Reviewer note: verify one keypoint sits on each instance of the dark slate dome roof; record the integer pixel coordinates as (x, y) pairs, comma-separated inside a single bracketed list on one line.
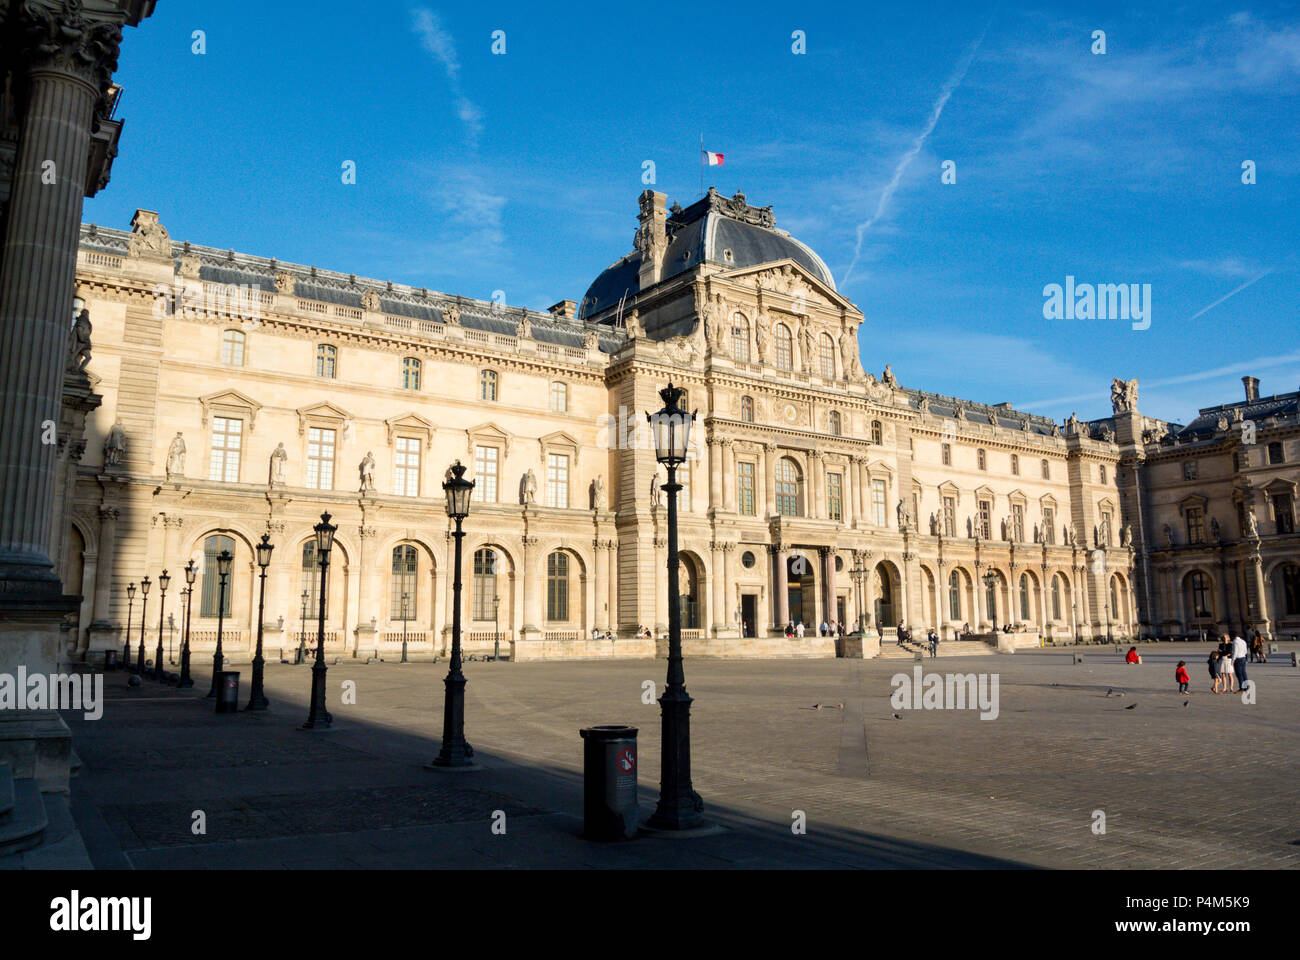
[(725, 231)]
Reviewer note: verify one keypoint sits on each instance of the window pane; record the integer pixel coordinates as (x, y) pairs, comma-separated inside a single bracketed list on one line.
[(486, 460), (406, 467), (320, 459), (402, 593), (557, 480), (211, 591), (745, 491)]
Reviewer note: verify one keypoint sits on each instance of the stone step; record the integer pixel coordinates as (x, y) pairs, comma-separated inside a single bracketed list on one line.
[(949, 648), (25, 824)]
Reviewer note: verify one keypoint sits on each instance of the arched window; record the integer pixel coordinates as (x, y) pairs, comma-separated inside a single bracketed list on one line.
[(980, 459), (402, 592), (310, 578), (835, 426), (557, 587), (1199, 588), (1056, 597), (212, 548), (559, 397), (954, 596), (740, 338), (877, 432), (410, 373), (485, 583), (1291, 589), (827, 356), (1024, 596), (787, 488), (327, 356), (487, 385), (747, 409), (232, 348), (784, 347)]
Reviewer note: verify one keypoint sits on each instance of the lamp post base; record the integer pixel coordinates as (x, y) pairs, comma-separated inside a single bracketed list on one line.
[(256, 698), (318, 718), (679, 806)]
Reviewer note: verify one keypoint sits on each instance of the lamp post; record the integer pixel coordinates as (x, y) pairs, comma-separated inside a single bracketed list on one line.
[(679, 806), (405, 597), (858, 574), (126, 644), (224, 561), (455, 752), (256, 697), (144, 602), (990, 586), (302, 630), (163, 581), (171, 635), (185, 679), (496, 628), (318, 718)]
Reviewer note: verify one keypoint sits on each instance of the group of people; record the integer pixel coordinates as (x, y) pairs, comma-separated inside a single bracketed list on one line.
[(1226, 663)]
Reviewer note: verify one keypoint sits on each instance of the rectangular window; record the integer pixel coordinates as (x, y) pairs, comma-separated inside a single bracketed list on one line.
[(1047, 471), (745, 488), (406, 467), (684, 478), (559, 397), (986, 519), (946, 450), (878, 513), (1015, 465), (1017, 523), (486, 460), (1189, 469), (1275, 452), (1101, 472), (1049, 525), (950, 517), (557, 480), (227, 438), (834, 497), (1106, 526), (1283, 513), (320, 459), (1195, 525)]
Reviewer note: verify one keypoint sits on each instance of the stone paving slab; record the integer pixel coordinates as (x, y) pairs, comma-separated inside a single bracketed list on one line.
[(1212, 783)]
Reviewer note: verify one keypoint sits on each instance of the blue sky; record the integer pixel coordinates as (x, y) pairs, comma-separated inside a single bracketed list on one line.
[(519, 172)]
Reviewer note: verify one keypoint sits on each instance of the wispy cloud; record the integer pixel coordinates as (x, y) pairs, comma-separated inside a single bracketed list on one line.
[(438, 43), (905, 161), (1233, 267)]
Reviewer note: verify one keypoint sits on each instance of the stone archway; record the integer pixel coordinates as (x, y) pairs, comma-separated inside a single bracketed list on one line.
[(801, 581)]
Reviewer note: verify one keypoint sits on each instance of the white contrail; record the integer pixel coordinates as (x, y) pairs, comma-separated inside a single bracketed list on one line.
[(1232, 294), (905, 161)]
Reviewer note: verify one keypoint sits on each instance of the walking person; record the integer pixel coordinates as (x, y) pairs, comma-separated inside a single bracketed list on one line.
[(1239, 655), (1215, 662), (799, 630), (1180, 674)]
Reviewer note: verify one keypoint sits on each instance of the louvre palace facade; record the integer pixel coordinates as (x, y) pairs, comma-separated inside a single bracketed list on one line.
[(241, 396)]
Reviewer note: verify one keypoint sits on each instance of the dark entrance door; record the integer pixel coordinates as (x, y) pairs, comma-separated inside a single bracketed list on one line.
[(749, 614)]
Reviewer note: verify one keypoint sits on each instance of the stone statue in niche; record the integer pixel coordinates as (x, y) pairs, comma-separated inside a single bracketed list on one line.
[(115, 446), (451, 314), (279, 459), (176, 457), (598, 493), (367, 471), (79, 342), (528, 487)]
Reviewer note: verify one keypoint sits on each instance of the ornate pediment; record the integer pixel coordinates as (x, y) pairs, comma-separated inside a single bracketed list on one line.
[(230, 400), (322, 411), (787, 285), (410, 423), (559, 439), (490, 433)]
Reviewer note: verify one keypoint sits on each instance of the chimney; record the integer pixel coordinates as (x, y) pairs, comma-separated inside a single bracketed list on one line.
[(1252, 388), (564, 310), (651, 237)]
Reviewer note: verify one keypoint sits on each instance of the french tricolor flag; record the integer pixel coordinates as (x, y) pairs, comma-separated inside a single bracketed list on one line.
[(713, 159)]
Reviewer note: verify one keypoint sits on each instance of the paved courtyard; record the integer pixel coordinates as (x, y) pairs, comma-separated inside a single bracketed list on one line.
[(1208, 784)]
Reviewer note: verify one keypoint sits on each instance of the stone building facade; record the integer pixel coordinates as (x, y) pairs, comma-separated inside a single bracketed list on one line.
[(243, 396), (1214, 509)]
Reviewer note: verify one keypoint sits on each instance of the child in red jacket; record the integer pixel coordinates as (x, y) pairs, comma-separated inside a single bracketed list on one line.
[(1180, 674)]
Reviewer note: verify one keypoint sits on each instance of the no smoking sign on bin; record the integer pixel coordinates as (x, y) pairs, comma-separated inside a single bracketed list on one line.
[(626, 762), (609, 789)]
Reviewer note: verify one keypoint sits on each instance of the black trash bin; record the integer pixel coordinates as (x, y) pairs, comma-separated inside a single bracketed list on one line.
[(110, 659), (609, 782), (227, 691)]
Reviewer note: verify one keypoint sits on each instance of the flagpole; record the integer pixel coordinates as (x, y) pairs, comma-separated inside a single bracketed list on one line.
[(701, 164)]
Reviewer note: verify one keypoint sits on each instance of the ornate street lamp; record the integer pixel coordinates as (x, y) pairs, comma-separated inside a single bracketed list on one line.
[(455, 752), (126, 645), (990, 587), (859, 575), (679, 807), (164, 580), (405, 597), (144, 602), (185, 679), (224, 561), (256, 698), (318, 718), (496, 628), (302, 631)]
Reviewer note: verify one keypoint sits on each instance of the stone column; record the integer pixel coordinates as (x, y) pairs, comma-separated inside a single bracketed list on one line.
[(104, 633), (601, 619), (769, 481), (532, 590), (72, 59), (715, 473), (1261, 595), (611, 584), (831, 588), (718, 587), (780, 589), (661, 585)]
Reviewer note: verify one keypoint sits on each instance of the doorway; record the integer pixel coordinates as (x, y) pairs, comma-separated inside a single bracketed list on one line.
[(749, 614)]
